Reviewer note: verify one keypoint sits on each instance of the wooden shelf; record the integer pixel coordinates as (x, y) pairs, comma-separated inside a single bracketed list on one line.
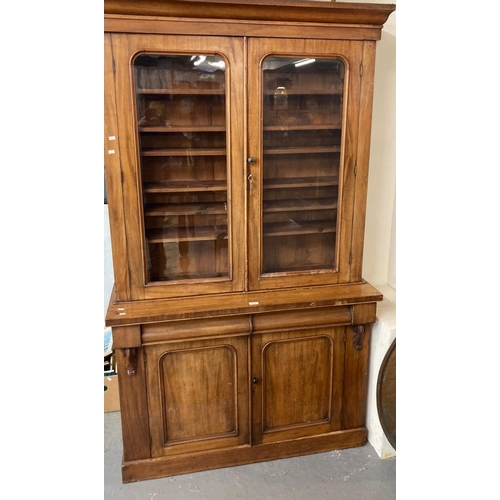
[(308, 91), (312, 149), (184, 186), (181, 91), (299, 205), (186, 209), (191, 276), (183, 128), (299, 267), (185, 152), (279, 128), (302, 227), (174, 235), (300, 182)]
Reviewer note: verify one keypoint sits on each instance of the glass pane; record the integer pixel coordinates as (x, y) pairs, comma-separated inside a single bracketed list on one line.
[(302, 106), (181, 116)]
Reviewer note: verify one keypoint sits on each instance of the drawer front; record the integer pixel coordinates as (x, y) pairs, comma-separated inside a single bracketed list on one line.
[(301, 318)]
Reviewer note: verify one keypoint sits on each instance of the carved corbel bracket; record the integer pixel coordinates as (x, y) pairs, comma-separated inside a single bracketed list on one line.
[(358, 337), (130, 357)]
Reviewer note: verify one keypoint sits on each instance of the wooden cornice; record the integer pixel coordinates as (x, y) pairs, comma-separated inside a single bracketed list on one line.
[(256, 10)]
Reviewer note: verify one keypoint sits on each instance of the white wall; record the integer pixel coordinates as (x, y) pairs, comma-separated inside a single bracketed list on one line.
[(391, 275), (379, 261), (108, 261)]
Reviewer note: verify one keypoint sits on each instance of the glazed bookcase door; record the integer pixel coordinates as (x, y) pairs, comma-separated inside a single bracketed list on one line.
[(301, 198), (181, 163)]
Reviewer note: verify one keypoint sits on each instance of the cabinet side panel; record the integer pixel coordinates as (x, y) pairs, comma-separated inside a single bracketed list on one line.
[(134, 409), (112, 168), (355, 379), (128, 152)]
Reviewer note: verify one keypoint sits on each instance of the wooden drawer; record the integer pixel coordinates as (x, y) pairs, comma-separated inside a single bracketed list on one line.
[(197, 328), (268, 322)]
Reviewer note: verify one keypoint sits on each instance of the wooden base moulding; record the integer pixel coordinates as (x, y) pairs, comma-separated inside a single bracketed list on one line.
[(216, 459)]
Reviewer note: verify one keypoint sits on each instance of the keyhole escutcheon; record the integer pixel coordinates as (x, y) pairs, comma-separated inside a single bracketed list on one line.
[(250, 182)]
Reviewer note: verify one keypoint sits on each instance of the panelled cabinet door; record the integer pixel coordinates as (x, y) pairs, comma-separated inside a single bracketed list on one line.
[(297, 383), (182, 165), (198, 397), (305, 93)]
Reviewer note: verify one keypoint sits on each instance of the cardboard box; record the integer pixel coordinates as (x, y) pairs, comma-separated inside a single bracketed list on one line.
[(111, 395)]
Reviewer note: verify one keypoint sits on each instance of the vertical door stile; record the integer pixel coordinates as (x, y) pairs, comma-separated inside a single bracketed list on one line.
[(246, 154), (253, 151), (366, 78), (236, 146), (350, 158)]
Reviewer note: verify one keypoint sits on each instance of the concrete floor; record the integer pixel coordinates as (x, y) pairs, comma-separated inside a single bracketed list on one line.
[(357, 474)]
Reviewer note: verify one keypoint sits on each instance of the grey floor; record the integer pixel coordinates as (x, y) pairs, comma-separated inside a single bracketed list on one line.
[(357, 474)]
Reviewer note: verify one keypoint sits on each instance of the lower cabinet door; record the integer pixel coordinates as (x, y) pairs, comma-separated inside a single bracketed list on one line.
[(197, 395), (297, 383)]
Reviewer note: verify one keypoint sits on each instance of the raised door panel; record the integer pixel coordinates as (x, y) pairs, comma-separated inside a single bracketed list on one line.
[(301, 174), (297, 383), (198, 395), (181, 133)]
